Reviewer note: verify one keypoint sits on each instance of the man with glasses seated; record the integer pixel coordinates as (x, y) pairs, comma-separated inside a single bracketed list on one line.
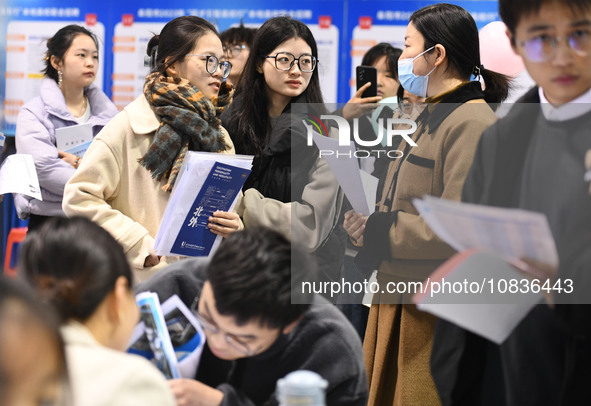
[(237, 42), (255, 335)]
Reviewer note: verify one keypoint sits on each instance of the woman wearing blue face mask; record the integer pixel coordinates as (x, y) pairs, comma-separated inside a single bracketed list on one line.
[(441, 54)]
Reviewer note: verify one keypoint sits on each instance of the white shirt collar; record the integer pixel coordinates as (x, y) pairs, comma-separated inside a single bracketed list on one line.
[(573, 109)]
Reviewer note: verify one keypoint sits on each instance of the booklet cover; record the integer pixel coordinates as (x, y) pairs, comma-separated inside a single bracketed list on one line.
[(185, 336), (74, 139), (217, 193), (207, 182), (156, 332)]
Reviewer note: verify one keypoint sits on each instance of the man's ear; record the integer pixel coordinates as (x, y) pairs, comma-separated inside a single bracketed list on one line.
[(55, 62), (287, 329), (511, 40)]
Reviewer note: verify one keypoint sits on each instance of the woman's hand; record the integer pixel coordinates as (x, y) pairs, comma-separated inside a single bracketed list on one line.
[(543, 272), (151, 260), (355, 226), (358, 106), (69, 158), (188, 392), (224, 223)]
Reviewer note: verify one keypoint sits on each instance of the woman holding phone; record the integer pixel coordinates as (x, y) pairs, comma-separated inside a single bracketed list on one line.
[(441, 53)]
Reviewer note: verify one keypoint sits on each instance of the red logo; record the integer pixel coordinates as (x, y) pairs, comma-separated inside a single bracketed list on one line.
[(90, 19), (365, 23), (324, 21), (127, 19)]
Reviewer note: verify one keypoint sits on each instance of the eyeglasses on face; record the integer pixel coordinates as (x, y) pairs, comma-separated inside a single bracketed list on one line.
[(543, 47), (232, 51), (285, 61), (233, 341), (212, 63)]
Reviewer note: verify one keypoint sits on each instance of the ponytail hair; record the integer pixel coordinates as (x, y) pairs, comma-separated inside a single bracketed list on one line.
[(455, 29), (496, 85)]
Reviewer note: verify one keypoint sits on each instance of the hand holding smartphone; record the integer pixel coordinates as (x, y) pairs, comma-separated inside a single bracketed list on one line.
[(365, 74)]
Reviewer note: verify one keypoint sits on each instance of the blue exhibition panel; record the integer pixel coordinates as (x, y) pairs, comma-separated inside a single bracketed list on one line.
[(344, 30)]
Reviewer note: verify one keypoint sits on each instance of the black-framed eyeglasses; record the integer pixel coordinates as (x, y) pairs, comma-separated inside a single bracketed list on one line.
[(234, 51), (233, 341), (285, 60), (212, 63), (543, 47)]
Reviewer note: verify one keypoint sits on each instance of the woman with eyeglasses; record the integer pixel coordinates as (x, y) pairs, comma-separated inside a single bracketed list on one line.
[(129, 171), (290, 189)]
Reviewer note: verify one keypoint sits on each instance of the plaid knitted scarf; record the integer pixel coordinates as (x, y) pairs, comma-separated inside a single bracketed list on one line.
[(188, 121)]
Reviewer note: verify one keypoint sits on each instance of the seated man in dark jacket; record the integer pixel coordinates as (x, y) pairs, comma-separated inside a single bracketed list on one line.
[(255, 334)]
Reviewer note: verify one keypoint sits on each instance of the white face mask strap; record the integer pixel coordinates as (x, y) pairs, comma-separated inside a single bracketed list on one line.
[(424, 52)]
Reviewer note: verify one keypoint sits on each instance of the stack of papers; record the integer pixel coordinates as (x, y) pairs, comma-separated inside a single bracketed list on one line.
[(478, 289)]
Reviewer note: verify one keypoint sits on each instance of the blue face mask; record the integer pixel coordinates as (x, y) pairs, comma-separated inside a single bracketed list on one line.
[(414, 84)]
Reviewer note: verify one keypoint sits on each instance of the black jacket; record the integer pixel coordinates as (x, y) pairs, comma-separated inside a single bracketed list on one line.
[(323, 341), (469, 370)]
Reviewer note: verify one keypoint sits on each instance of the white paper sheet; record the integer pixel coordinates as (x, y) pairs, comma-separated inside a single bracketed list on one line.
[(359, 187), (489, 307), (510, 233), (18, 175), (74, 139)]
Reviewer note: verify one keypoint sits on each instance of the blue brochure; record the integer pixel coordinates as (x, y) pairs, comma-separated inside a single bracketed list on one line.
[(218, 192)]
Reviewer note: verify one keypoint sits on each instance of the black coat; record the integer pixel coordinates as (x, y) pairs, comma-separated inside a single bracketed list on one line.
[(323, 341), (467, 369)]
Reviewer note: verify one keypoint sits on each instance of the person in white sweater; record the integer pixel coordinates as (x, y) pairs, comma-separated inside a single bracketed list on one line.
[(77, 267), (125, 180)]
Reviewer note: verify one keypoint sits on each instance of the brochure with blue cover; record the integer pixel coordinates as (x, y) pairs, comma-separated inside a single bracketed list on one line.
[(207, 182), (156, 332), (217, 193), (186, 336)]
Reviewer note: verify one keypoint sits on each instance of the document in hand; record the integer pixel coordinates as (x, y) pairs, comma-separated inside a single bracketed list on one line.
[(207, 182), (176, 349), (359, 186), (478, 288), (74, 139), (18, 175), (510, 233), (474, 290)]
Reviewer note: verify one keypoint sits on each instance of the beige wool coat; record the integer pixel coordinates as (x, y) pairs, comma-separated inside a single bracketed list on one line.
[(399, 337), (112, 189)]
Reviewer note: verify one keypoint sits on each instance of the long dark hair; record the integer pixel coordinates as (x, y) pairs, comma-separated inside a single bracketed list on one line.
[(176, 40), (59, 44), (250, 125), (455, 29), (74, 264), (391, 53)]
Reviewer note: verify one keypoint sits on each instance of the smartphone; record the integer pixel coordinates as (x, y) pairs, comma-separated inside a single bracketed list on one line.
[(367, 74)]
